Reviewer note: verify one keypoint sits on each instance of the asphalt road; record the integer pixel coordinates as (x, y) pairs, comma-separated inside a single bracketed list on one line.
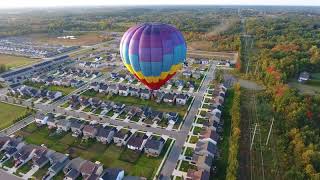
[(6, 176), (173, 157), (17, 126)]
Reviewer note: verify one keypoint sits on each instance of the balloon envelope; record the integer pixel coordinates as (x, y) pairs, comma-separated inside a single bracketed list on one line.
[(153, 52)]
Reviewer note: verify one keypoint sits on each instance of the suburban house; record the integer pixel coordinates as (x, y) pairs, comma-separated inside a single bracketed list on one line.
[(145, 94), (181, 99), (135, 92), (197, 175), (136, 142), (94, 85), (121, 137), (132, 111), (159, 96), (4, 140), (112, 174), (209, 135), (42, 119), (169, 98), (52, 123), (156, 115), (172, 117), (90, 170), (113, 89), (202, 162), (76, 127), (63, 125), (206, 148), (103, 88), (89, 131), (12, 147), (41, 157), (196, 75), (95, 102), (123, 90), (72, 169), (105, 135), (58, 162), (84, 101), (24, 155), (187, 73), (154, 146), (304, 76)]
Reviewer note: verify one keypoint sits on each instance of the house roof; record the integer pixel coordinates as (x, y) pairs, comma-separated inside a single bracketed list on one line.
[(209, 133), (89, 129), (135, 141), (169, 96), (73, 173), (41, 160), (103, 132), (88, 167), (182, 96), (111, 173), (76, 123), (206, 146), (198, 175), (154, 144)]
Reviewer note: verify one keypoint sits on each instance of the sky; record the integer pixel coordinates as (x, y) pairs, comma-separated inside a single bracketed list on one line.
[(5, 4)]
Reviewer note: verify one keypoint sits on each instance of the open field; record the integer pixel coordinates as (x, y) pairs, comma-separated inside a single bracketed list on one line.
[(64, 89), (83, 39), (9, 113), (164, 107), (262, 161), (109, 155), (16, 61)]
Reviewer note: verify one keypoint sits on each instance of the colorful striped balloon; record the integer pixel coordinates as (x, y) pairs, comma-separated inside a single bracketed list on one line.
[(153, 52)]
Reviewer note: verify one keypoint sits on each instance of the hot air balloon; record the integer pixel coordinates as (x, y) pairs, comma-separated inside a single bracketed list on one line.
[(153, 53)]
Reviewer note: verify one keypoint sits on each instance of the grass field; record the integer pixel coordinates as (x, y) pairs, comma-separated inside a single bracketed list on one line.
[(262, 161), (89, 38), (64, 89), (109, 155), (9, 113), (164, 107), (16, 61)]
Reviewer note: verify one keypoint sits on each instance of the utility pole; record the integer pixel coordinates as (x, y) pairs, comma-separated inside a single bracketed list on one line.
[(254, 133), (269, 131)]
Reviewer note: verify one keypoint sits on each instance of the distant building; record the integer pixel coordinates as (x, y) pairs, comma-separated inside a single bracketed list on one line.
[(304, 76)]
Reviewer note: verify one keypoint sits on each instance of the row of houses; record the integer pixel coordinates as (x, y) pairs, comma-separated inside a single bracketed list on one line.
[(131, 111), (103, 134), (20, 74), (191, 74), (18, 46), (29, 92), (124, 90), (76, 72), (206, 150), (20, 153), (50, 80)]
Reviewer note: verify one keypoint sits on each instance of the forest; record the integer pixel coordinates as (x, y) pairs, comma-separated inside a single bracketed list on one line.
[(284, 47)]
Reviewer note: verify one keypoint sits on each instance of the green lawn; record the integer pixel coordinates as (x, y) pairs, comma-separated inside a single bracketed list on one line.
[(9, 163), (189, 152), (193, 139), (42, 171), (64, 89), (164, 107), (9, 113), (25, 168), (185, 166), (16, 61), (196, 130), (109, 155)]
